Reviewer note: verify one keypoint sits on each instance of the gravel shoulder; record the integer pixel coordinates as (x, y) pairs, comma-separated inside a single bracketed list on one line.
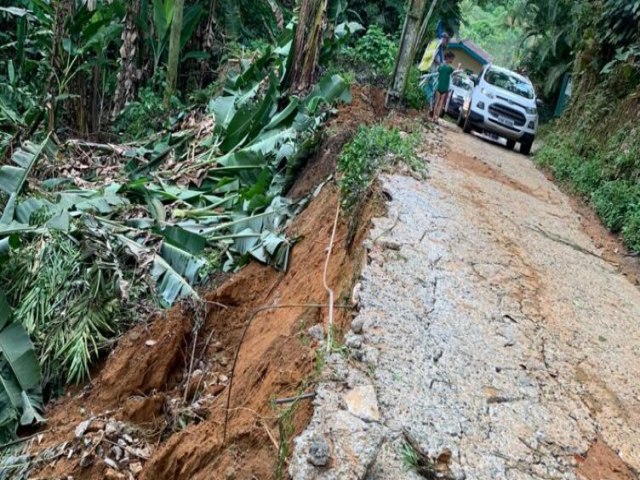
[(491, 332)]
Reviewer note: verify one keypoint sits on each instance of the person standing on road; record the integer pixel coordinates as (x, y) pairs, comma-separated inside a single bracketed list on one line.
[(444, 84), (433, 56)]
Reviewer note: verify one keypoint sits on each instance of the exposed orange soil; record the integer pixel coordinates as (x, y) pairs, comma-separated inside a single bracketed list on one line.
[(602, 463), (143, 380)]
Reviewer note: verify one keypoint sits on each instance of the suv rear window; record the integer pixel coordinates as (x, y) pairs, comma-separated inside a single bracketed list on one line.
[(509, 82)]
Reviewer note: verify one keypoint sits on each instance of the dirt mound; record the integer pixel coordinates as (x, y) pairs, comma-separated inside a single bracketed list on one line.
[(171, 385)]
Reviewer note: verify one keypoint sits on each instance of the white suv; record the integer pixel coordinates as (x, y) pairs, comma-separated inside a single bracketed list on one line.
[(503, 103)]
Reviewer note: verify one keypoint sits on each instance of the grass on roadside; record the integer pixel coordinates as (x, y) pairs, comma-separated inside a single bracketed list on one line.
[(409, 457), (374, 149), (606, 175)]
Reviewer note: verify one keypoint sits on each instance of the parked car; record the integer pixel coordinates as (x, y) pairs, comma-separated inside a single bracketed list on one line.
[(461, 87), (502, 103)]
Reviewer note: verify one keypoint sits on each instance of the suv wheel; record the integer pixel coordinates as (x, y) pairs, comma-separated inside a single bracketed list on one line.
[(467, 123), (525, 147), (460, 119), (511, 144)]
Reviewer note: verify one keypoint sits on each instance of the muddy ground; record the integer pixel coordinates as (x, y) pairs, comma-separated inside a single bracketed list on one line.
[(497, 336)]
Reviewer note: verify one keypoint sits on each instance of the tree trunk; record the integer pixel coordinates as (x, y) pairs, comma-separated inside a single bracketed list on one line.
[(61, 9), (407, 51), (307, 44), (128, 74), (174, 51), (425, 25)]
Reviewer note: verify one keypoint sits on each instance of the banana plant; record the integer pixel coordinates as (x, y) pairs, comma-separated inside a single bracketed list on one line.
[(180, 200)]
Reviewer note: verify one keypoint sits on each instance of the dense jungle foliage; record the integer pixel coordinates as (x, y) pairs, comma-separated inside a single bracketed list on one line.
[(144, 146), (595, 147)]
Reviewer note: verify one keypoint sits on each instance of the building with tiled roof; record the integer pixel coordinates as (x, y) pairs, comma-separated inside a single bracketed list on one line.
[(469, 55)]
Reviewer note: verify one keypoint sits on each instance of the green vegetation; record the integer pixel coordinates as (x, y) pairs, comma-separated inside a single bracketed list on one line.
[(595, 148), (371, 150), (606, 175), (368, 58), (495, 27), (66, 288), (285, 431), (409, 457), (71, 265), (20, 388)]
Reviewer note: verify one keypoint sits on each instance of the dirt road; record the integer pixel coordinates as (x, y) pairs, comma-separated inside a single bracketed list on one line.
[(491, 333)]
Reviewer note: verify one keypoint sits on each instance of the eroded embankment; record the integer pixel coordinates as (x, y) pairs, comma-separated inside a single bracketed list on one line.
[(157, 405)]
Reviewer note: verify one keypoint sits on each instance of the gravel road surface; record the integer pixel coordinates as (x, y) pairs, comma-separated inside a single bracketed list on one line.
[(491, 334)]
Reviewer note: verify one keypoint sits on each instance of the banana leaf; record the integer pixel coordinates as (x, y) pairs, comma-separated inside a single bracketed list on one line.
[(223, 109), (174, 270), (20, 391), (328, 90), (185, 240), (12, 178)]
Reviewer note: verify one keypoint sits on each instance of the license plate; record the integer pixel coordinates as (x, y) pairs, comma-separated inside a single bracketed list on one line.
[(506, 121)]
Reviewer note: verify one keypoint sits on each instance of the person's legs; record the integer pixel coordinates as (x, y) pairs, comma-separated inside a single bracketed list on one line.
[(442, 98), (436, 107), (446, 99)]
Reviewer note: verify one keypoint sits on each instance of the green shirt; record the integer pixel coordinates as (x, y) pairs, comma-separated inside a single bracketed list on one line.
[(444, 77)]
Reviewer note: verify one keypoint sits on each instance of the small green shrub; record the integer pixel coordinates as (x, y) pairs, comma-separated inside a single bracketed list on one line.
[(409, 457), (631, 229), (587, 176), (414, 96), (613, 202), (376, 50), (146, 115), (371, 150), (368, 60), (562, 160)]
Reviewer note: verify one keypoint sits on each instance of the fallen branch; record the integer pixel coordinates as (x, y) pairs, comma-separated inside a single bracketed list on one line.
[(270, 435), (106, 147), (325, 282), (23, 439)]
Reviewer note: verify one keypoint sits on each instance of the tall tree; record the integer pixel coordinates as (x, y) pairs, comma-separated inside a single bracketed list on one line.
[(174, 51)]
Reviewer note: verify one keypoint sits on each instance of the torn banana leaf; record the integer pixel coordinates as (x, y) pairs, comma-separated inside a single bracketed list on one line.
[(174, 270), (13, 177)]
